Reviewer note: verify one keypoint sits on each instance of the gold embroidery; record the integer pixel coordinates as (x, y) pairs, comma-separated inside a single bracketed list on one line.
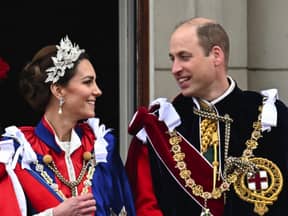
[(261, 197)]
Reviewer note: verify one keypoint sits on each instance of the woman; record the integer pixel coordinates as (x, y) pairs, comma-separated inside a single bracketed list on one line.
[(68, 164)]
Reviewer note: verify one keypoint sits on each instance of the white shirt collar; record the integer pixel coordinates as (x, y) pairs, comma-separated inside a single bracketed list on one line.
[(221, 97), (69, 146)]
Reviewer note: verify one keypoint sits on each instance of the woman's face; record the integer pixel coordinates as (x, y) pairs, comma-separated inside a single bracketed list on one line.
[(81, 92)]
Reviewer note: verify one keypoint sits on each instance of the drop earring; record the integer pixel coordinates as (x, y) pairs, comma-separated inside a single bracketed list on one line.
[(61, 102)]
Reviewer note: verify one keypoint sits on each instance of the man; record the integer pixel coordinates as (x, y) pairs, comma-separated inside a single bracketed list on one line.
[(216, 150)]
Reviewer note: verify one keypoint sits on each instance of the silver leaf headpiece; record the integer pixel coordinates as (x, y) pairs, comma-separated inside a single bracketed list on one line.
[(67, 54)]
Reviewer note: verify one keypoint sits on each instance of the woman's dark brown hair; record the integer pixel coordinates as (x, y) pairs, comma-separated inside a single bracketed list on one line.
[(32, 78)]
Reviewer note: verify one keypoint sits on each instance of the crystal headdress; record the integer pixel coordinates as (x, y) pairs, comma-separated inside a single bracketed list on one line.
[(67, 54)]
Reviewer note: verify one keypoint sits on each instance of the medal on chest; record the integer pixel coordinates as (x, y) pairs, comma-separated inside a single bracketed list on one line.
[(263, 181), (261, 187), (256, 180)]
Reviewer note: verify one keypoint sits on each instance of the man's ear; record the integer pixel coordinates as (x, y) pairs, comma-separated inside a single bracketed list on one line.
[(218, 55), (56, 90)]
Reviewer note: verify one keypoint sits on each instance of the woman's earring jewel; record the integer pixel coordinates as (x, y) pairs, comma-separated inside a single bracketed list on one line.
[(61, 102)]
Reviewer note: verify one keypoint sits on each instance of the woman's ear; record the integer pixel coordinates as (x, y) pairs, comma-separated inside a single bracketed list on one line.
[(56, 90)]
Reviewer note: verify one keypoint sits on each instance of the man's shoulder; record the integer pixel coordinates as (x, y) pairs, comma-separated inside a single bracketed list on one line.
[(180, 100), (249, 94)]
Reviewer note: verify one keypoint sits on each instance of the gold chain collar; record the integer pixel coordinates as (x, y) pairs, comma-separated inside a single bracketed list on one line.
[(229, 178), (235, 168), (90, 166)]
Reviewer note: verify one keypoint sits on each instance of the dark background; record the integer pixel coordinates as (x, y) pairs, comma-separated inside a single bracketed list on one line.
[(25, 30)]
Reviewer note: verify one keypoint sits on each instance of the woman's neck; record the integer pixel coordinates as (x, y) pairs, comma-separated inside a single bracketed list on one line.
[(61, 126)]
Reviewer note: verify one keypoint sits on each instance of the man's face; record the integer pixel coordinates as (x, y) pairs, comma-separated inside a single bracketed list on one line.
[(193, 70)]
